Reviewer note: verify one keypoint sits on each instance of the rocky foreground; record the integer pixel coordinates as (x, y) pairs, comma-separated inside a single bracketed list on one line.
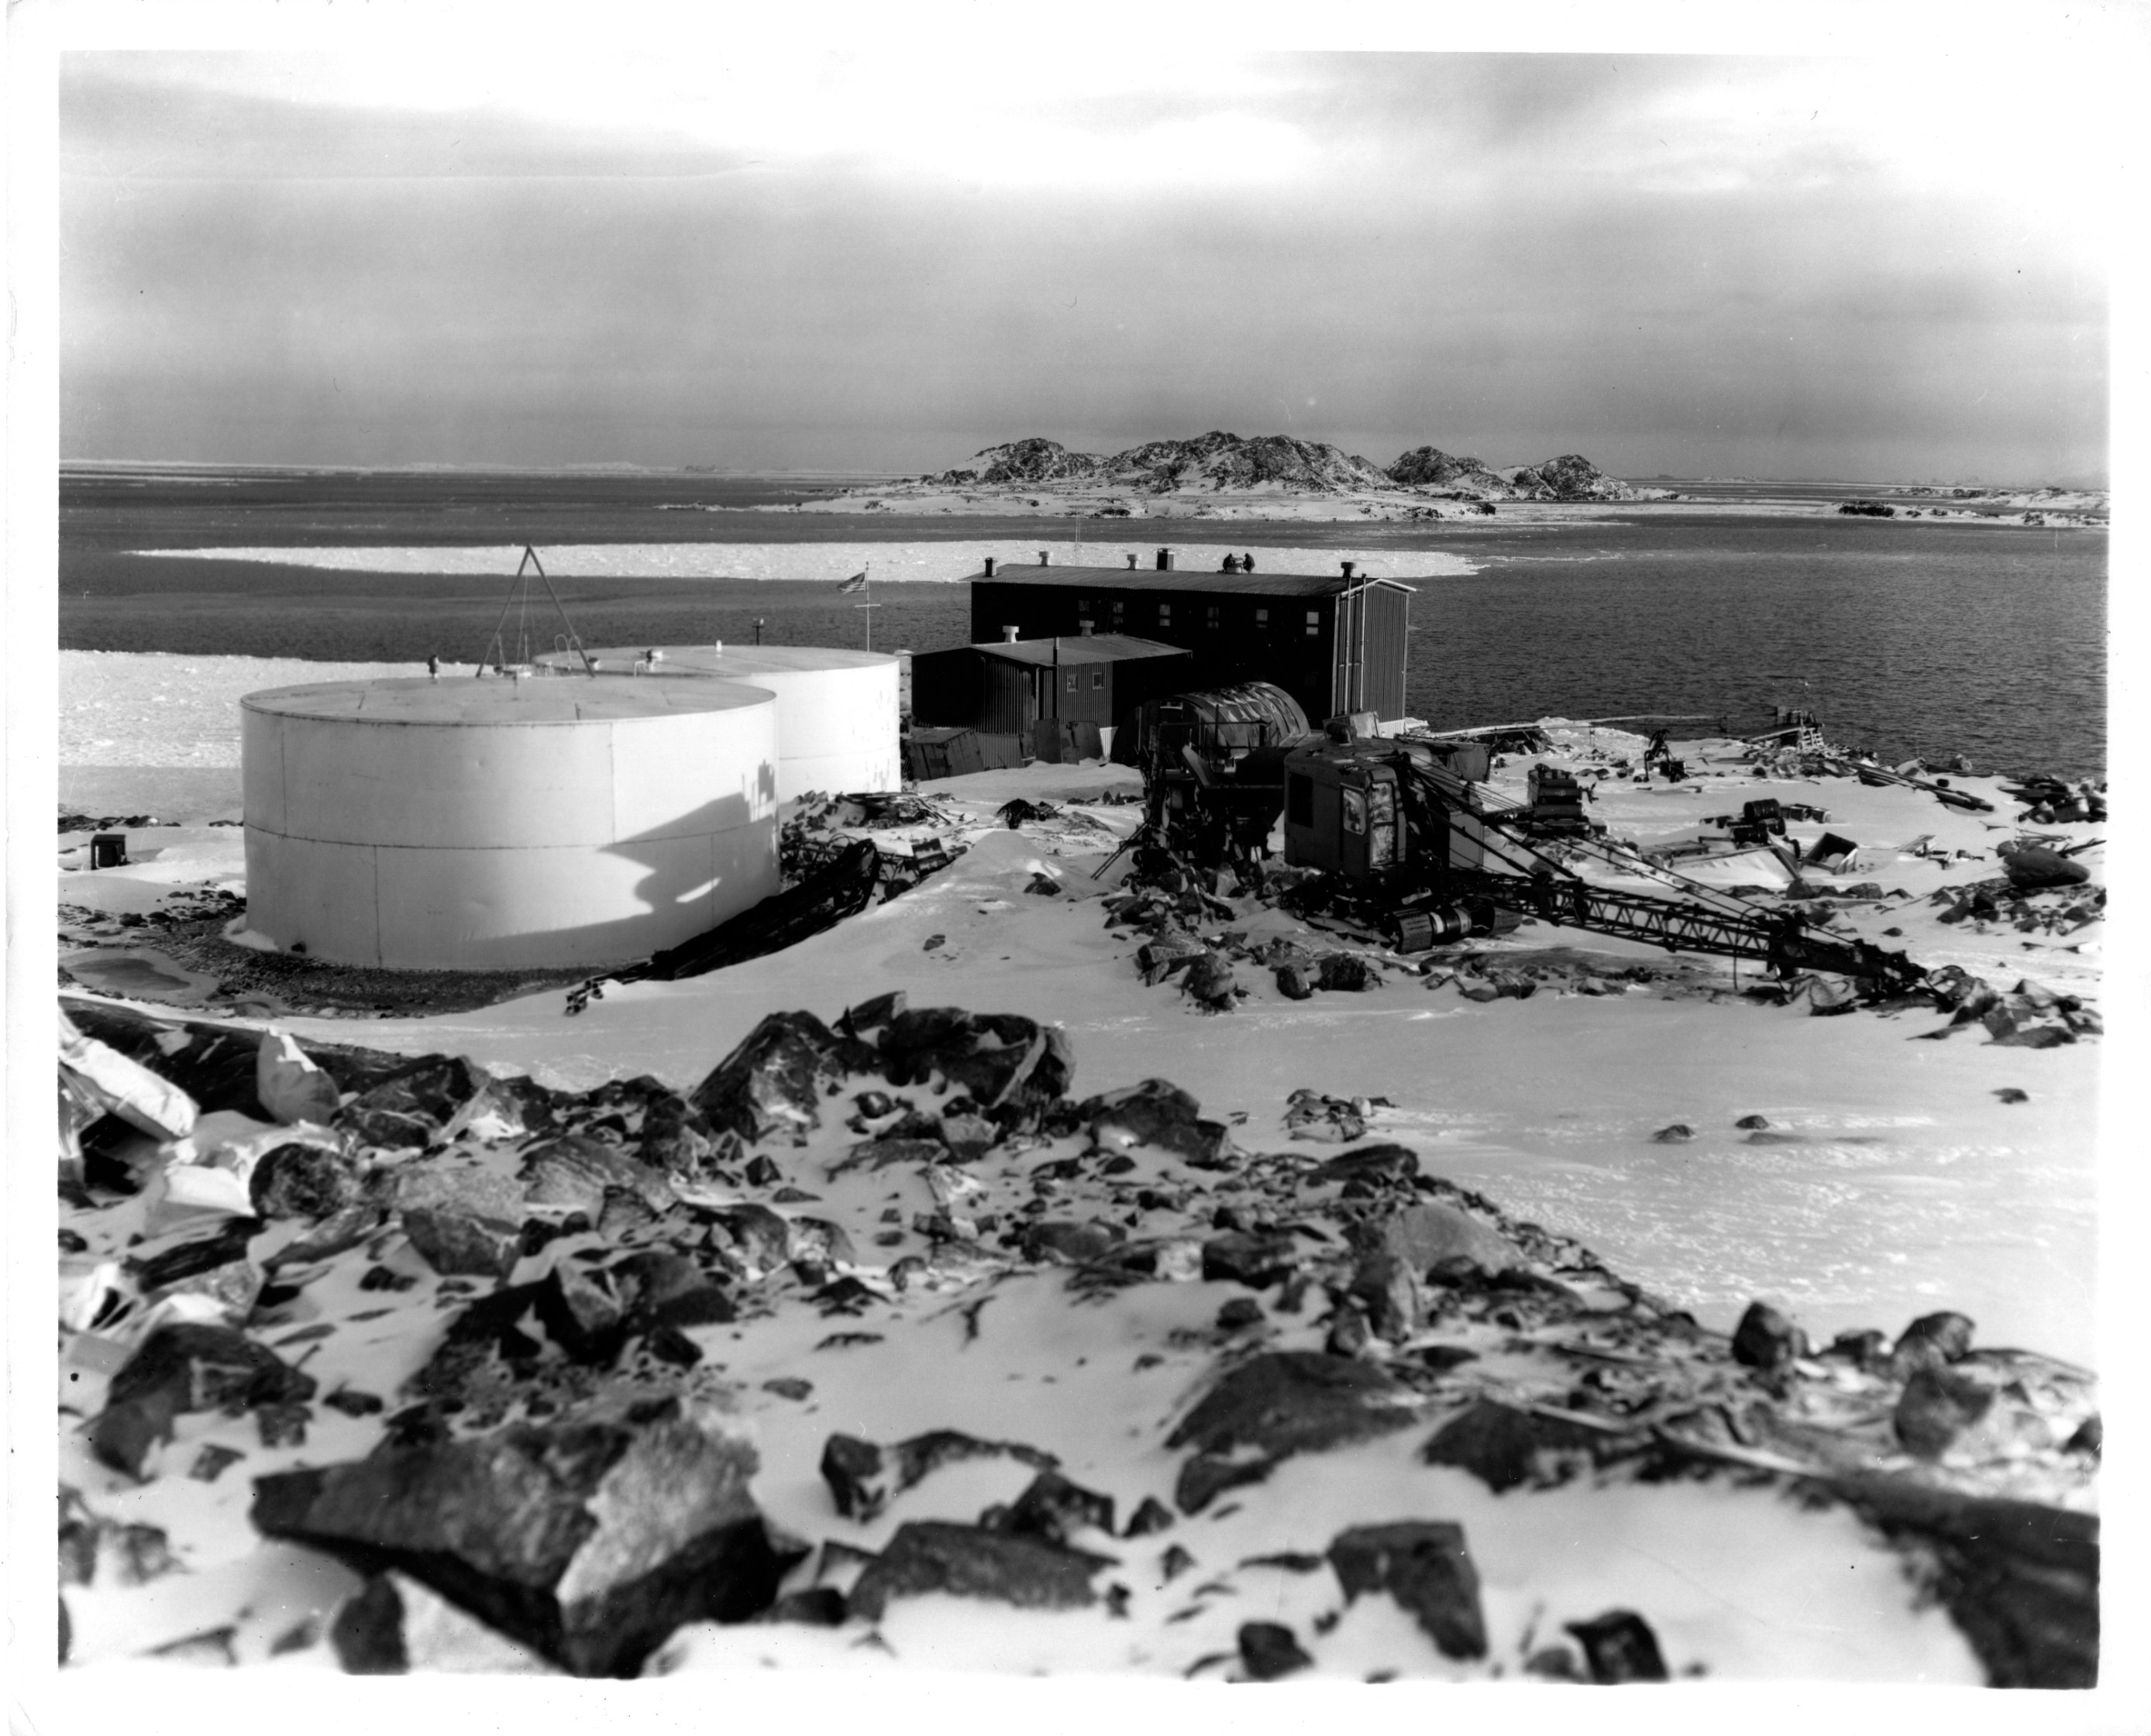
[(886, 1344)]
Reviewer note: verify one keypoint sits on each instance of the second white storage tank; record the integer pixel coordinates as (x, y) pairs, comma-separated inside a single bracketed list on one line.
[(837, 711)]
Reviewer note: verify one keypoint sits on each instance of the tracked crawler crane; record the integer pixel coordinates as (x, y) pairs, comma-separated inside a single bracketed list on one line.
[(1432, 855)]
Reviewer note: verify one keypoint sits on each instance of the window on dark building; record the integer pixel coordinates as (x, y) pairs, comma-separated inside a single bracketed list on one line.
[(1097, 679), (1313, 623), (1210, 618), (1165, 614), (1072, 681), (1261, 618)]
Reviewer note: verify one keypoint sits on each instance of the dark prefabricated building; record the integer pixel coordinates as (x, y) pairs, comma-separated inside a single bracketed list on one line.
[(1335, 643), (1008, 686)]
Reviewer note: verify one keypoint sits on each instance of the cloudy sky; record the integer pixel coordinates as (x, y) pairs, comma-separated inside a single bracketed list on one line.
[(1888, 268)]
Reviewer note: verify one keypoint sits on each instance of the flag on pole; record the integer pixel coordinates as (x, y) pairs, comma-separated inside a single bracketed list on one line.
[(856, 582)]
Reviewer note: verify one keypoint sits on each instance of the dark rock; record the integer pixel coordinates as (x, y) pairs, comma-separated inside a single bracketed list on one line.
[(1153, 1517), (1932, 1340), (863, 1477), (353, 1403), (819, 1606), (588, 1540), (1619, 1647), (1269, 1650), (1297, 981), (282, 1425), (677, 1139), (436, 1089), (303, 1181), (1424, 1565), (2090, 1437), (1678, 1133), (1505, 1447), (1349, 1334), (575, 1172), (657, 1287), (336, 1233), (1766, 1340), (1388, 1291), (968, 1561), (1936, 1406), (225, 1246), (580, 1314), (1864, 1348), (853, 1468), (1157, 1113), (1015, 1068), (463, 1243), (1427, 1234), (669, 1344), (1249, 1257), (367, 1633), (384, 1129), (773, 1082), (762, 1238), (1211, 980), (2012, 1094), (1280, 1403), (1052, 1508), (2020, 1580), (1074, 1243), (1749, 1124), (1348, 972), (872, 1016), (1370, 1163), (186, 1368), (2030, 866), (1239, 1313)]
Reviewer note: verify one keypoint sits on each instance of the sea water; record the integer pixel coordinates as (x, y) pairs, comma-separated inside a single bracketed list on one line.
[(1912, 637)]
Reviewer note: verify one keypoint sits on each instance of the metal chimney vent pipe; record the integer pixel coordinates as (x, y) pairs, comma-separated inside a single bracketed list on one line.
[(989, 566), (1008, 635), (1349, 565)]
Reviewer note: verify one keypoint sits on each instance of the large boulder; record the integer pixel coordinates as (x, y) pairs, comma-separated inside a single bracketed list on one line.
[(589, 1541), (1430, 1235), (774, 1081)]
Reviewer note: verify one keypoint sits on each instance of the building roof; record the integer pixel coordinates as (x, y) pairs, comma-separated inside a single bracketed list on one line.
[(1184, 578), (1080, 648)]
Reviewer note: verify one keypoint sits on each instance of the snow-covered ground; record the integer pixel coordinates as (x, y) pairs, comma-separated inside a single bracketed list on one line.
[(1920, 1188), (1896, 1183)]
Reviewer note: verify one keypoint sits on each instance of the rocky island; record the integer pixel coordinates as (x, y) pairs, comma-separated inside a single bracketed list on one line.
[(1224, 476)]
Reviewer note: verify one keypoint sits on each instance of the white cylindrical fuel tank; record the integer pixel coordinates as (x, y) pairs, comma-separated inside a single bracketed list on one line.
[(491, 823), (837, 711)]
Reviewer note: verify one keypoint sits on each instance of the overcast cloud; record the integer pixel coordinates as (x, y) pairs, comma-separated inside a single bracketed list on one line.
[(1683, 265)]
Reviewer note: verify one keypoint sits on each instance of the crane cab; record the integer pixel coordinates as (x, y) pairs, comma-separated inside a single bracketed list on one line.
[(1342, 810)]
